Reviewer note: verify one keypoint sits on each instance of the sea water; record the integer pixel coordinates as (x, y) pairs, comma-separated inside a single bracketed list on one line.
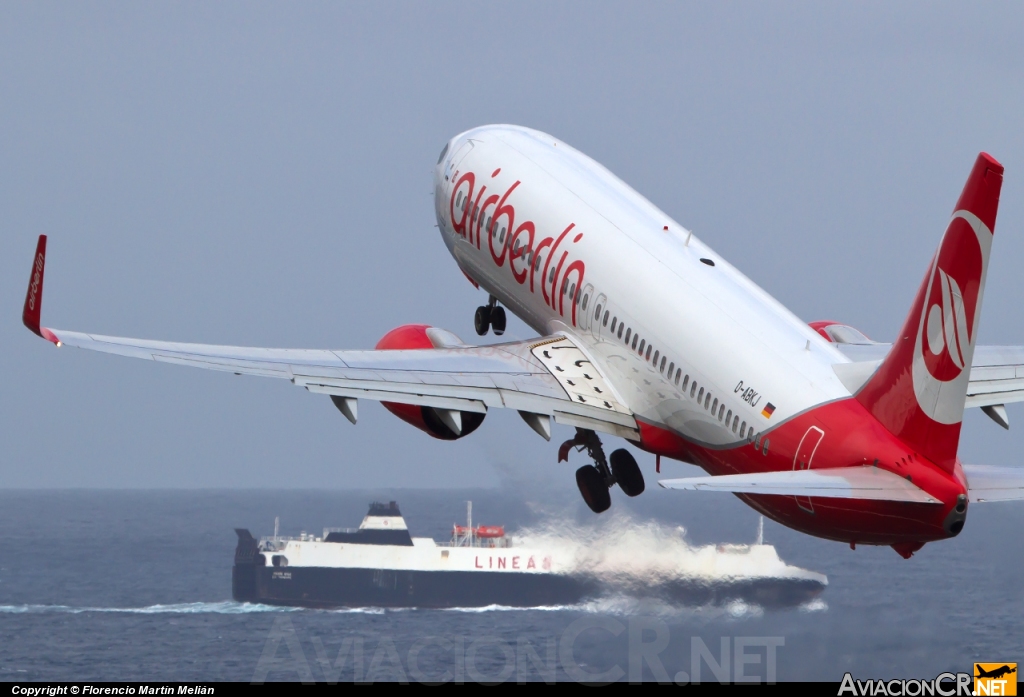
[(136, 585)]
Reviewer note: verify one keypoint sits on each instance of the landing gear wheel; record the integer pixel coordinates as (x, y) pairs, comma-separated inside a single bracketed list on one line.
[(593, 488), (482, 320), (498, 320), (627, 473)]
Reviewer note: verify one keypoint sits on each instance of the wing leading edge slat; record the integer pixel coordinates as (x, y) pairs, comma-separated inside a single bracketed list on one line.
[(515, 375)]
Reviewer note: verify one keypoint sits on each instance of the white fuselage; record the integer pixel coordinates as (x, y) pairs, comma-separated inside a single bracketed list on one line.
[(709, 323)]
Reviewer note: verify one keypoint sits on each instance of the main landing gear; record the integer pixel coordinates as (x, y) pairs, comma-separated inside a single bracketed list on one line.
[(595, 480), (490, 316)]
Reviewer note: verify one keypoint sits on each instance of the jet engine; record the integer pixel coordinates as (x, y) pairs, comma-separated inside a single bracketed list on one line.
[(445, 424), (839, 333)]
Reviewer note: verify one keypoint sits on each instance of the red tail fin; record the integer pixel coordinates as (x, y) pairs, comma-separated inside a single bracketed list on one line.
[(34, 297), (918, 392)]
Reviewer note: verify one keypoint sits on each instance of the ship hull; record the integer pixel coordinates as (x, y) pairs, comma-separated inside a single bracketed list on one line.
[(326, 587), (318, 587)]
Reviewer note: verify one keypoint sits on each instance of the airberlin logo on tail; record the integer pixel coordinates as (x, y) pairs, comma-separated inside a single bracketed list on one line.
[(946, 326), (944, 347)]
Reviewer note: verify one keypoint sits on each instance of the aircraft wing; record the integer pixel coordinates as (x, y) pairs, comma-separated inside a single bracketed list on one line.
[(997, 374), (549, 377), (838, 483), (992, 483)]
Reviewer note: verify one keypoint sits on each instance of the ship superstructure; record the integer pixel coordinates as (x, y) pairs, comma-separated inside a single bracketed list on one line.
[(381, 564)]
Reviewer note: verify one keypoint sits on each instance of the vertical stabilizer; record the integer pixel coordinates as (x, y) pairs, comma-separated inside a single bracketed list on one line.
[(918, 392)]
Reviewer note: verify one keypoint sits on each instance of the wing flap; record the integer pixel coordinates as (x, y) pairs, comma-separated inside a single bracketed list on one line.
[(992, 483), (870, 483), (997, 372)]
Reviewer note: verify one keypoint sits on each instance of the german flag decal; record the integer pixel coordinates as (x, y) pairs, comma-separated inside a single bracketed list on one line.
[(768, 410)]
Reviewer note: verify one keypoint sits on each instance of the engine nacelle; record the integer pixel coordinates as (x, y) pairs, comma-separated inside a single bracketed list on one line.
[(839, 333), (427, 419)]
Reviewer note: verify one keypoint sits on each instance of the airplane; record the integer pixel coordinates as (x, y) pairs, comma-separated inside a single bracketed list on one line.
[(646, 334), (994, 673)]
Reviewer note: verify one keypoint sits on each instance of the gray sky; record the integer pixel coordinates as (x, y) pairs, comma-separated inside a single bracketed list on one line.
[(259, 174)]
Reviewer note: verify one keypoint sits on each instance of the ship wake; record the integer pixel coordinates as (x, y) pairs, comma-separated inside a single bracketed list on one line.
[(626, 560), (220, 608)]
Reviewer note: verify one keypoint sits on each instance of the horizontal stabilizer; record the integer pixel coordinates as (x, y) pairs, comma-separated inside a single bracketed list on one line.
[(992, 483), (870, 483)]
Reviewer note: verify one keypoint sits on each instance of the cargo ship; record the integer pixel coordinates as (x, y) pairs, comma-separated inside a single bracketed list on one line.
[(380, 564)]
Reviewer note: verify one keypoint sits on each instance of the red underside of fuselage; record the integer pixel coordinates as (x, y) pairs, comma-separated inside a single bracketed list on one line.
[(852, 438)]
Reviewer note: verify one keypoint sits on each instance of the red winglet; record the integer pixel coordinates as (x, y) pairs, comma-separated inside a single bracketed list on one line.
[(34, 297)]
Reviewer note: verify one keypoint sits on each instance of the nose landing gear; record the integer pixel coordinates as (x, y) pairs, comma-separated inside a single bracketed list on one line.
[(595, 480), (490, 316)]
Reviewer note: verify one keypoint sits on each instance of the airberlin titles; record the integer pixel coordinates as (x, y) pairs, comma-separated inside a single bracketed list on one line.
[(531, 259)]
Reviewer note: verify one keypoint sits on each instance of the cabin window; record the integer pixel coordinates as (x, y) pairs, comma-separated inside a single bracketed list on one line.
[(458, 200), (714, 405), (672, 367), (764, 448), (662, 368), (604, 322), (735, 423), (700, 395), (551, 276), (750, 435), (743, 430), (721, 411), (693, 389), (487, 226), (728, 418), (636, 338), (707, 400), (655, 359), (686, 379), (597, 314), (642, 341), (583, 306), (501, 237), (620, 333)]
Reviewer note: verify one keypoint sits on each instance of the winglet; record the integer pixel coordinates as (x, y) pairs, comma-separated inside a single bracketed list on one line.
[(34, 297)]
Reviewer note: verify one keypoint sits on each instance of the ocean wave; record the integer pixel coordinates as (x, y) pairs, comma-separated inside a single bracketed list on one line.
[(226, 607), (512, 608), (815, 605)]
